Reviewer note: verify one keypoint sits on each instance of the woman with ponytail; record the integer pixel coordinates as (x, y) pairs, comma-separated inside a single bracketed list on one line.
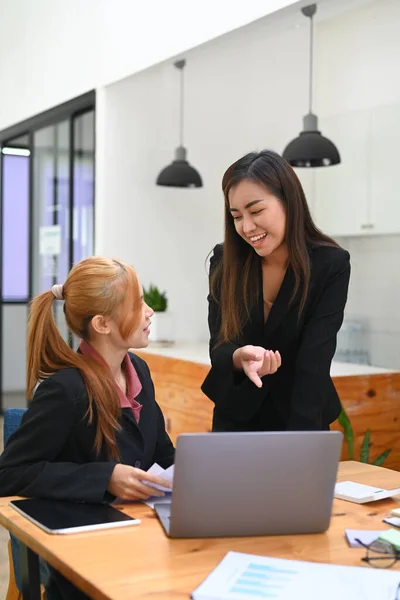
[(93, 426)]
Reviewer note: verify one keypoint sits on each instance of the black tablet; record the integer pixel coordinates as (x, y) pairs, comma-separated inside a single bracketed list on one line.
[(58, 516)]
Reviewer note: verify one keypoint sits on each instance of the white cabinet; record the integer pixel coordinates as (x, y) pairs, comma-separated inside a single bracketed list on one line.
[(361, 195), (384, 170), (341, 191)]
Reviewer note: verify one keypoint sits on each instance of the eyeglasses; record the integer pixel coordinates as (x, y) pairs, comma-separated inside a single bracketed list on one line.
[(380, 554)]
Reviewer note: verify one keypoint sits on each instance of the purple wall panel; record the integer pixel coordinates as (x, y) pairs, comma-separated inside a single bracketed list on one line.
[(83, 210), (15, 227)]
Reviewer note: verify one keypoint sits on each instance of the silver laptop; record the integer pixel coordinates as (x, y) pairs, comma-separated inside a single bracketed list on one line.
[(253, 483)]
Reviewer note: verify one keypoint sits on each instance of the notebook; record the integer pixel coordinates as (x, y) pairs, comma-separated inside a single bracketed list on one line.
[(366, 536), (392, 536)]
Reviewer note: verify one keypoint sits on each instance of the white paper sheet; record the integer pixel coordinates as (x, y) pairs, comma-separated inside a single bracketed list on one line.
[(167, 474), (395, 521), (359, 493), (167, 499), (247, 577)]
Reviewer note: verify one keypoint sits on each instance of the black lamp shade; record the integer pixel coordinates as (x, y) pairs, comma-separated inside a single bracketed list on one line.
[(179, 173), (310, 148)]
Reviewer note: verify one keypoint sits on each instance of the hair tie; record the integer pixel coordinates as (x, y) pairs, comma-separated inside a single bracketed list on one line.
[(58, 291)]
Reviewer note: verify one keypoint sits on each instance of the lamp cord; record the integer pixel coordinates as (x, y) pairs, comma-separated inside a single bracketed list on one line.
[(181, 110), (311, 65)]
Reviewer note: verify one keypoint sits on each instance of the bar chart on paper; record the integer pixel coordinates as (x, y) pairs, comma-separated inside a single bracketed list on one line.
[(262, 581), (248, 577)]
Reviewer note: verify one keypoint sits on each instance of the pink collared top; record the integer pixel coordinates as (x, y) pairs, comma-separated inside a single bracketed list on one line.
[(133, 384)]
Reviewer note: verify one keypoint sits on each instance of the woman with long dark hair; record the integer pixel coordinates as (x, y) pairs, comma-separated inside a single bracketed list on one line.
[(278, 289)]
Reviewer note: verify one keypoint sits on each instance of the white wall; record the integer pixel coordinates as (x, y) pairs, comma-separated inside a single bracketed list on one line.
[(244, 91), (235, 102), (374, 295), (358, 59), (358, 69), (53, 50)]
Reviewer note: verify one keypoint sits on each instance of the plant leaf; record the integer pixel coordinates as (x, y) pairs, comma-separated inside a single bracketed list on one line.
[(364, 454), (155, 299), (382, 457), (348, 433)]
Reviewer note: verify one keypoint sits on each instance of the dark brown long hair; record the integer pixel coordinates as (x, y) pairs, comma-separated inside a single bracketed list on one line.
[(235, 282), (95, 286)]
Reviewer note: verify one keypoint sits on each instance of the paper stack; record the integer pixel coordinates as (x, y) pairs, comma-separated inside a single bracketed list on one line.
[(356, 492), (246, 577), (168, 475)]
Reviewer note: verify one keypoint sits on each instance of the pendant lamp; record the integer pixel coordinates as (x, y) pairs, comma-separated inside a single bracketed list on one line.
[(310, 148), (180, 173)]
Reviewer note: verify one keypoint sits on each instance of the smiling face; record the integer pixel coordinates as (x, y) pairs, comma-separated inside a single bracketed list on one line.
[(259, 216), (109, 328), (139, 338)]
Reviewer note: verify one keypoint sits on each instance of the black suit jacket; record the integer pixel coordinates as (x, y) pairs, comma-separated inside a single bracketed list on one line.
[(301, 394), (52, 454)]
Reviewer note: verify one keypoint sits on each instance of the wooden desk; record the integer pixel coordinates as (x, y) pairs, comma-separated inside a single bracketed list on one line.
[(142, 563)]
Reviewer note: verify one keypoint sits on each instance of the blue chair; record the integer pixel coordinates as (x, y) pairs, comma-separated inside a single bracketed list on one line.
[(12, 420)]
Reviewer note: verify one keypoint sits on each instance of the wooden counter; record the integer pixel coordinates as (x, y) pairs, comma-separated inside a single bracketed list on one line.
[(371, 399), (373, 402)]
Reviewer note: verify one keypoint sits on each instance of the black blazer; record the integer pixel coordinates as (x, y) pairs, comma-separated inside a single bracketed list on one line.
[(301, 394), (52, 454)]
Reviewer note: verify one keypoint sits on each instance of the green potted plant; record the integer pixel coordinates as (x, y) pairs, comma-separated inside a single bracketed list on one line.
[(348, 433), (161, 323)]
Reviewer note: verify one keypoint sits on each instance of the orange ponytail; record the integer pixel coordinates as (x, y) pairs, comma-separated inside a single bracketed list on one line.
[(94, 286)]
